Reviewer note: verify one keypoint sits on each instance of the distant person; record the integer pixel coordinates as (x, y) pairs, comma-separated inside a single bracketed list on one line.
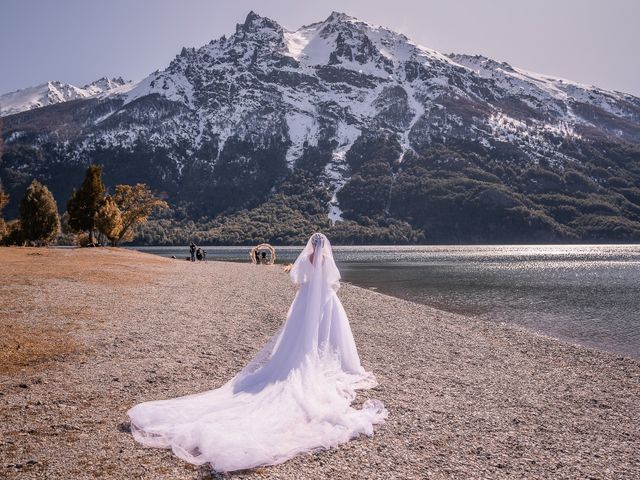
[(200, 254), (192, 251), (257, 256), (264, 260)]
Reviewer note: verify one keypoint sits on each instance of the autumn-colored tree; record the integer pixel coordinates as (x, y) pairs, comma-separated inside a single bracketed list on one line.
[(85, 202), (109, 220), (13, 233), (135, 204), (39, 219), (4, 199)]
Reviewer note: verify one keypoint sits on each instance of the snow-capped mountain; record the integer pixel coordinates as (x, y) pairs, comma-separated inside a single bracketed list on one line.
[(354, 105), (55, 92)]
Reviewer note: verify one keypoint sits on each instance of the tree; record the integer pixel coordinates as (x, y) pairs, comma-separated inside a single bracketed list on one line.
[(13, 233), (109, 220), (39, 217), (135, 204), (4, 199), (85, 202)]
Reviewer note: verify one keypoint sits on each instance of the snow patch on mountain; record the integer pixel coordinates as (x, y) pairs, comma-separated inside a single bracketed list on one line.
[(337, 170), (174, 87), (306, 46), (303, 129), (418, 110)]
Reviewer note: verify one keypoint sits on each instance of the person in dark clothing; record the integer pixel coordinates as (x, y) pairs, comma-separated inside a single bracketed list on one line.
[(257, 255), (263, 260), (192, 251), (199, 254)]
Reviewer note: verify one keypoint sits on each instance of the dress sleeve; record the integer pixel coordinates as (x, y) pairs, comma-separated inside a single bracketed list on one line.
[(301, 271)]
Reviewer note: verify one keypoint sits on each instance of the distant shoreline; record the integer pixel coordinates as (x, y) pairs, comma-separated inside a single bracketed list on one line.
[(133, 246)]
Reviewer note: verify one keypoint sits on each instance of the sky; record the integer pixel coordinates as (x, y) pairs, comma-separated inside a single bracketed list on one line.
[(77, 41)]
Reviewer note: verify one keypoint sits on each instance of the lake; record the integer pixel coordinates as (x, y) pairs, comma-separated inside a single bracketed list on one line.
[(585, 294)]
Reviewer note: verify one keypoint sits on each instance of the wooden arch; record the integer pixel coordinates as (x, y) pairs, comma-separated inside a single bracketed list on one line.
[(263, 246)]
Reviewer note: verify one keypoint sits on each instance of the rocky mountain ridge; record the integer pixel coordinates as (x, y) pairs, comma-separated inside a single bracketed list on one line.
[(377, 121), (54, 92)]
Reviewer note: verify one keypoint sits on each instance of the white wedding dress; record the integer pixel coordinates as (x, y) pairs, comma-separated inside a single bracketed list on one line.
[(294, 396)]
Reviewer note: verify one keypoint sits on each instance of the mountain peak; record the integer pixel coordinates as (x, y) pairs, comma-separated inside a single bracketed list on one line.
[(105, 83), (339, 17), (254, 22), (251, 16)]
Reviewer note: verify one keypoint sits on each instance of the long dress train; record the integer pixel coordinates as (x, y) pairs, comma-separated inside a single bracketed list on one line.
[(294, 396)]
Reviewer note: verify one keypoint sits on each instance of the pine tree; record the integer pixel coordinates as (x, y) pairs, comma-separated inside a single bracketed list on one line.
[(109, 220), (85, 202), (39, 219)]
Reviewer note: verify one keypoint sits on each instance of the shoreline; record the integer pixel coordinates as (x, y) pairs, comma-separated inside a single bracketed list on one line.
[(594, 332), (467, 398)]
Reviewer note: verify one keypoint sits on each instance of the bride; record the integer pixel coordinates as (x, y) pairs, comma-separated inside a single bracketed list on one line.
[(294, 396)]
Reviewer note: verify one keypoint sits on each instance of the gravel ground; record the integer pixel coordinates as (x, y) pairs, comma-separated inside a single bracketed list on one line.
[(467, 399)]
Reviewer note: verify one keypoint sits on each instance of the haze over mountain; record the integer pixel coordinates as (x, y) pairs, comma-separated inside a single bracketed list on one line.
[(274, 132)]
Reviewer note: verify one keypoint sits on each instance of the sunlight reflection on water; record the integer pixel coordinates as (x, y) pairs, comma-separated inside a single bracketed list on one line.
[(587, 294)]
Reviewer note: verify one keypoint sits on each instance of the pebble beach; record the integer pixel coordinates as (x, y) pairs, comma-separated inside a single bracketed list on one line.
[(87, 333)]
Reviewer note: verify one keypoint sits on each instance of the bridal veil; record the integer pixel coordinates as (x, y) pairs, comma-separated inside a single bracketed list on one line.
[(295, 395)]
